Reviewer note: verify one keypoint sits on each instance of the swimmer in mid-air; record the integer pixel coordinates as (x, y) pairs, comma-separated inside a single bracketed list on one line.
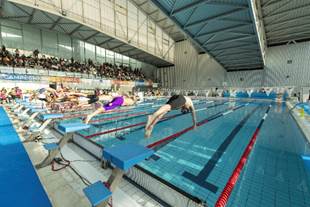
[(175, 102), (116, 102)]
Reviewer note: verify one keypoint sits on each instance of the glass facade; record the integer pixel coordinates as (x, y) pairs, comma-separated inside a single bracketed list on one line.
[(28, 38)]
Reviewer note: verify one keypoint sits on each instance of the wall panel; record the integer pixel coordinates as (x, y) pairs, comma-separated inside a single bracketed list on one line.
[(191, 70), (286, 65)]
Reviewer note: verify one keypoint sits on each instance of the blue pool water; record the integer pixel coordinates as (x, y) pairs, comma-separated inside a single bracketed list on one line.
[(201, 161)]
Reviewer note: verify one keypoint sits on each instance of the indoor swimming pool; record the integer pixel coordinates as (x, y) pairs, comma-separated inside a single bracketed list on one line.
[(199, 162)]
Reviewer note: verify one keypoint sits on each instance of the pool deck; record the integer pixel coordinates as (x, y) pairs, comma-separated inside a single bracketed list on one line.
[(65, 188), (302, 120)]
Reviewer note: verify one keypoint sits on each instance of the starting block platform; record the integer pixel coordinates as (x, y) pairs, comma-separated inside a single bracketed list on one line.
[(123, 157), (54, 148)]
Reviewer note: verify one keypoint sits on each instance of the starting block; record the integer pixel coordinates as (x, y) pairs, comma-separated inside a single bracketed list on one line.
[(27, 120), (36, 131), (54, 148), (123, 157)]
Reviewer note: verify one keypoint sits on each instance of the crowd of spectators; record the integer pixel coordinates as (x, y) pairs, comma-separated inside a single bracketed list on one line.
[(36, 60), (7, 96)]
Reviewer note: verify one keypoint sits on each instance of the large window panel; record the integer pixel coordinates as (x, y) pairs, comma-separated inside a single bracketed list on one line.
[(118, 59), (107, 16), (132, 23), (125, 60), (49, 43), (11, 34), (89, 51), (32, 38), (64, 46), (110, 56), (100, 54), (121, 18), (142, 25)]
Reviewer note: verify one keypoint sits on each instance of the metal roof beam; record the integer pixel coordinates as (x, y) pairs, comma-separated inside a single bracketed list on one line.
[(117, 46), (225, 30), (287, 11), (239, 53), (240, 61), (246, 68), (105, 41), (91, 36), (271, 42), (55, 23), (232, 39), (160, 20), (236, 21), (243, 64), (153, 12), (278, 8), (75, 29), (201, 2), (293, 20), (270, 2), (131, 49), (291, 36), (234, 47), (31, 16), (208, 19), (143, 3), (289, 28)]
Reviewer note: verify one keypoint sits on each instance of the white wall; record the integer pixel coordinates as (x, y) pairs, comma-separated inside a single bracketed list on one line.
[(191, 70), (277, 68)]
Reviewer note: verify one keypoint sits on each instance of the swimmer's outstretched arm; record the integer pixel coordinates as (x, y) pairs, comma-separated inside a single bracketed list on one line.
[(90, 116)]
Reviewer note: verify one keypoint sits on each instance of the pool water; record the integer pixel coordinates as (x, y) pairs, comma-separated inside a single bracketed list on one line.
[(200, 161)]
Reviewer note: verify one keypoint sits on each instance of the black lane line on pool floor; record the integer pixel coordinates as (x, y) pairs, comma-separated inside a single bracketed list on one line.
[(211, 118), (200, 179)]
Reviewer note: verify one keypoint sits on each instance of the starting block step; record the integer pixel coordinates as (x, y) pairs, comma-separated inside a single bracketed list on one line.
[(51, 116), (72, 127), (126, 156), (51, 146), (97, 193)]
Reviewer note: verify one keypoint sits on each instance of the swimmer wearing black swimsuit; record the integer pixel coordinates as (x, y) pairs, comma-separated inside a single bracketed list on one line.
[(175, 102)]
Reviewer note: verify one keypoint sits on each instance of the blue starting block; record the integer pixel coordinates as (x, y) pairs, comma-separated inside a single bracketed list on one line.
[(127, 155), (97, 193), (35, 132), (123, 157), (53, 149), (45, 117), (28, 119)]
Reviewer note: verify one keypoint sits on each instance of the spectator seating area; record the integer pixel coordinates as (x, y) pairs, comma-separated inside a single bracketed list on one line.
[(41, 61)]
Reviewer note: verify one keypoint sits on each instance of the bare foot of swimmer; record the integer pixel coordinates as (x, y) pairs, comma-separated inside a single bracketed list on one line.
[(148, 132)]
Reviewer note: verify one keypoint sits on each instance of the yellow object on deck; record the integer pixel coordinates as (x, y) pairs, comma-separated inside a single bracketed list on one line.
[(302, 112)]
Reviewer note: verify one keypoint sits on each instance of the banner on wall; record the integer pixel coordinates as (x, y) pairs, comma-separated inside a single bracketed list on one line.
[(19, 77), (63, 79), (144, 83)]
